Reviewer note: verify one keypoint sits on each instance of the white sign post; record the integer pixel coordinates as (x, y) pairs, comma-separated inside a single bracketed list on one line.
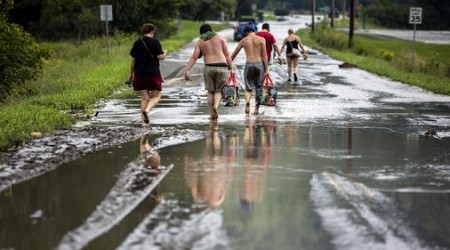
[(106, 15), (415, 17)]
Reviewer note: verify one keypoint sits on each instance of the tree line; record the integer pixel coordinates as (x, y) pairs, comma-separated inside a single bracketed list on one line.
[(57, 19), (23, 21)]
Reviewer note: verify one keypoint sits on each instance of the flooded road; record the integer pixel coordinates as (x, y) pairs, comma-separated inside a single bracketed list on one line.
[(342, 162)]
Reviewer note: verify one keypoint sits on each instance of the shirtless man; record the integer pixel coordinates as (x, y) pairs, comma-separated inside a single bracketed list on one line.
[(256, 65), (218, 65)]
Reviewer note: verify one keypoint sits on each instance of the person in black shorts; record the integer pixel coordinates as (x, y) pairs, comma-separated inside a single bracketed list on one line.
[(144, 70)]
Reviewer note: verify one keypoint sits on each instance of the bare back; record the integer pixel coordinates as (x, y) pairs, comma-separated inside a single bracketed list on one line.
[(253, 46), (214, 50)]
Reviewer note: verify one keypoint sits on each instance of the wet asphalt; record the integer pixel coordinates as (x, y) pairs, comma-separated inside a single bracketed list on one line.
[(344, 161)]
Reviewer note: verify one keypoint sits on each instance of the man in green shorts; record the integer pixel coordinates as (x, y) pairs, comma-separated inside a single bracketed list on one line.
[(218, 65), (256, 65)]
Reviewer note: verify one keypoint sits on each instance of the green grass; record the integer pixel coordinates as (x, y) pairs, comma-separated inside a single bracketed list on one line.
[(74, 78), (388, 57)]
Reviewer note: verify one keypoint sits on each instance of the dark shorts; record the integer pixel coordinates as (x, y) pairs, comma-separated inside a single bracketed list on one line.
[(147, 83), (253, 75)]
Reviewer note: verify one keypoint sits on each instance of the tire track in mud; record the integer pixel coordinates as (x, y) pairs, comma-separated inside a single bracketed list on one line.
[(46, 154), (134, 184)]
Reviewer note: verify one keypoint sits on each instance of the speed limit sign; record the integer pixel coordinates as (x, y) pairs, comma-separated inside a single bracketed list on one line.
[(415, 15)]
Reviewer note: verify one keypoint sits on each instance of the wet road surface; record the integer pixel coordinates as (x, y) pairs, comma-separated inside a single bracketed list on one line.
[(342, 162)]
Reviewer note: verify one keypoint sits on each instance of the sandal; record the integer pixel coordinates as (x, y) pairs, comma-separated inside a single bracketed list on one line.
[(145, 115)]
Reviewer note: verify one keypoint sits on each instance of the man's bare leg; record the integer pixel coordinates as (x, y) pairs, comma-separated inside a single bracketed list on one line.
[(210, 100), (216, 104), (248, 96), (256, 109)]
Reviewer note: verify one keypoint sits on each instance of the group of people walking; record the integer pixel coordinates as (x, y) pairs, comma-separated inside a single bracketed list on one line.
[(258, 46)]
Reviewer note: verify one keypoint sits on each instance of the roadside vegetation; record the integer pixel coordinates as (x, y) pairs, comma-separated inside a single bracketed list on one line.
[(74, 78), (388, 57)]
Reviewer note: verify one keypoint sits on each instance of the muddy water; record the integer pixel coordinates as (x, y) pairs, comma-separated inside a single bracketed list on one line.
[(342, 162), (268, 185)]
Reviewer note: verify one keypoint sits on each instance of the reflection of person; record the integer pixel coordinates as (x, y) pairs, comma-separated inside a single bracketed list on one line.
[(150, 157), (218, 65), (144, 70), (208, 180), (256, 65), (150, 160), (292, 41), (270, 41), (256, 161)]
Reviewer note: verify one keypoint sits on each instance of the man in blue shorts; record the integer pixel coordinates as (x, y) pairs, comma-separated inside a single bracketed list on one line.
[(256, 65)]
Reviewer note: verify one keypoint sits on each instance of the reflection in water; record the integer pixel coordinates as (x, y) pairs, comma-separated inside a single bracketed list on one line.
[(151, 160), (134, 184), (257, 143), (208, 180)]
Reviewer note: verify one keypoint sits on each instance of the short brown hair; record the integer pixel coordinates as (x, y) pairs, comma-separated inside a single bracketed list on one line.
[(147, 28)]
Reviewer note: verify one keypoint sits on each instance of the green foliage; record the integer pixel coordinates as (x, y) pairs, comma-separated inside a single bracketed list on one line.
[(387, 55), (328, 38), (20, 57), (69, 19), (281, 12), (18, 121), (388, 14), (200, 10), (390, 57)]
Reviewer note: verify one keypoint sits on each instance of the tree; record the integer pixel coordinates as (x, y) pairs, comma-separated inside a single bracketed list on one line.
[(20, 55)]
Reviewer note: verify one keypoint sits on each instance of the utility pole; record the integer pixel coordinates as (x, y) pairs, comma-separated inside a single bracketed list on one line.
[(352, 23), (313, 8), (343, 8), (332, 13)]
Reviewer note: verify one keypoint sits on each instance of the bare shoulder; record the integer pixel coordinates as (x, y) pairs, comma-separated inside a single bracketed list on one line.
[(260, 39)]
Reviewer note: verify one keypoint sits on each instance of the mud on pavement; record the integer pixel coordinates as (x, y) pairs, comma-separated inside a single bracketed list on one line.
[(47, 153)]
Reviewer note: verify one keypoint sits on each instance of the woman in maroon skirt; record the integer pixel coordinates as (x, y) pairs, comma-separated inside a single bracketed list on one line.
[(144, 70)]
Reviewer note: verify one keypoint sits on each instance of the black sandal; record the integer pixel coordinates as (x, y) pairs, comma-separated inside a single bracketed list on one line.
[(145, 120)]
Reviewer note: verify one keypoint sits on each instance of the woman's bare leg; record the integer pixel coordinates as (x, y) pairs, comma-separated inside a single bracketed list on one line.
[(154, 98), (295, 68), (289, 64), (145, 97)]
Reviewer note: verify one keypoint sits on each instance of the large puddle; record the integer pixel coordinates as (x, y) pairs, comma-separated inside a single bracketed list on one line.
[(342, 162), (257, 185)]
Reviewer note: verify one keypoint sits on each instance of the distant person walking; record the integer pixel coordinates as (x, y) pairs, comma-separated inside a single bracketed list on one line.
[(144, 70), (292, 41), (218, 65), (256, 65), (270, 41)]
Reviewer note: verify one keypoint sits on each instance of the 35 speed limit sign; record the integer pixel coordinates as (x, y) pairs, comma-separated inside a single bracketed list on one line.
[(415, 15)]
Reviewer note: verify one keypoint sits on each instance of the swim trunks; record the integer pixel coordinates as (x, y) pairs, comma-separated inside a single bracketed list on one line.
[(215, 77), (253, 75)]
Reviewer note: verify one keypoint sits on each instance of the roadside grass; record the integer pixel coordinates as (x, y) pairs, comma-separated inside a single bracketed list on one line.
[(388, 57), (74, 78)]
